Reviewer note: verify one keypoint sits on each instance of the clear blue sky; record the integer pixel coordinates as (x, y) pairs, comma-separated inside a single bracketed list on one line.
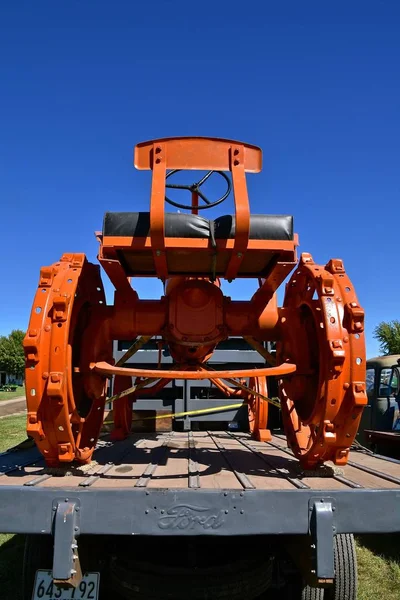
[(315, 84)]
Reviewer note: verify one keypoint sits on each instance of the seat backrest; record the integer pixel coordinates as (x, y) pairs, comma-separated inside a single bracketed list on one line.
[(197, 153)]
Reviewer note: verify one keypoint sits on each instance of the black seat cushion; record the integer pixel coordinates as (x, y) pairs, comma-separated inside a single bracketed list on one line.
[(262, 227), (137, 224)]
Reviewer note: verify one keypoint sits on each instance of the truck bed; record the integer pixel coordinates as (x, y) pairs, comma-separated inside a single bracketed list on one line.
[(198, 482), (199, 460)]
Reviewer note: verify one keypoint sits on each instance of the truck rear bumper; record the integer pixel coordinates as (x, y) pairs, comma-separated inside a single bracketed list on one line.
[(197, 512)]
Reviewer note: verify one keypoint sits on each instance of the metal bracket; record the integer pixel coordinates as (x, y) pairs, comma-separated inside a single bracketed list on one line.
[(322, 531), (65, 530)]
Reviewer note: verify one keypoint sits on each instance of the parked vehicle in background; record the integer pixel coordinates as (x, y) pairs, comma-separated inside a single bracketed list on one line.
[(380, 424)]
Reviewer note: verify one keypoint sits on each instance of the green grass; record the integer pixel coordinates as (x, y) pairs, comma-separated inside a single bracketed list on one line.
[(12, 431), (379, 567), (378, 556), (20, 391)]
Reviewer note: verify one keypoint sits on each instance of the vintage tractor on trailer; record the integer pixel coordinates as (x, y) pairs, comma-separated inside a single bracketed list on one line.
[(318, 330), (167, 507)]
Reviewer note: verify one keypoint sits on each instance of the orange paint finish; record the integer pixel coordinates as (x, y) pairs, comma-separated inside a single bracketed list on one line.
[(258, 410), (197, 153), (122, 408), (108, 369), (55, 381), (136, 243), (318, 331), (195, 313), (323, 402)]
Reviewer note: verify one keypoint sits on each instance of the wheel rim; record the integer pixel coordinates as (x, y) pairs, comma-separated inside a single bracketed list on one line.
[(65, 401), (257, 407), (322, 332), (122, 408)]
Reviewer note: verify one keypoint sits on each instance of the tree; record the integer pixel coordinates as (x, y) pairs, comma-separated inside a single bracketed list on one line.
[(388, 335), (12, 358)]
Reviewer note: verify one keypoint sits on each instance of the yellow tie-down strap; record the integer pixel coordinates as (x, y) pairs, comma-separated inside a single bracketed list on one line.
[(201, 411)]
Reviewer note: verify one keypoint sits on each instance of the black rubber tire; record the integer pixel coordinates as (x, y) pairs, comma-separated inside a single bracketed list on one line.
[(312, 593), (38, 554), (242, 580), (346, 583), (297, 589)]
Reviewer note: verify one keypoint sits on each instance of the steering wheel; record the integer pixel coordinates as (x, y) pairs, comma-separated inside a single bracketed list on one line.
[(195, 188)]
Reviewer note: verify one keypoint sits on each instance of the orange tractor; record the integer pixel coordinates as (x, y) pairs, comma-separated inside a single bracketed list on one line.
[(320, 358)]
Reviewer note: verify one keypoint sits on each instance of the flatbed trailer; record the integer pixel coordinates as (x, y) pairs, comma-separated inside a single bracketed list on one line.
[(200, 483)]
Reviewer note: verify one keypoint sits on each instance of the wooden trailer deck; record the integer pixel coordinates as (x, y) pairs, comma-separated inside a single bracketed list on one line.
[(209, 460)]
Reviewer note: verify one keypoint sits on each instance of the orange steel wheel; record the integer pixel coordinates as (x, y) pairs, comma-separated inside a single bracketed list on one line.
[(65, 401), (258, 410), (322, 328), (122, 408)]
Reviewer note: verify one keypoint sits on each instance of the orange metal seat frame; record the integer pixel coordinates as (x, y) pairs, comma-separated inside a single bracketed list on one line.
[(197, 154)]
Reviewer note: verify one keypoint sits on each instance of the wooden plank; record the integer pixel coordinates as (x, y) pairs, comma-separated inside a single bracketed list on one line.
[(244, 461), (374, 480), (278, 463), (219, 460), (214, 471), (243, 479)]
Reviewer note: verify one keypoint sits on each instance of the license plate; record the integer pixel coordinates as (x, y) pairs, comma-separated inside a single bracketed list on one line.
[(45, 589)]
